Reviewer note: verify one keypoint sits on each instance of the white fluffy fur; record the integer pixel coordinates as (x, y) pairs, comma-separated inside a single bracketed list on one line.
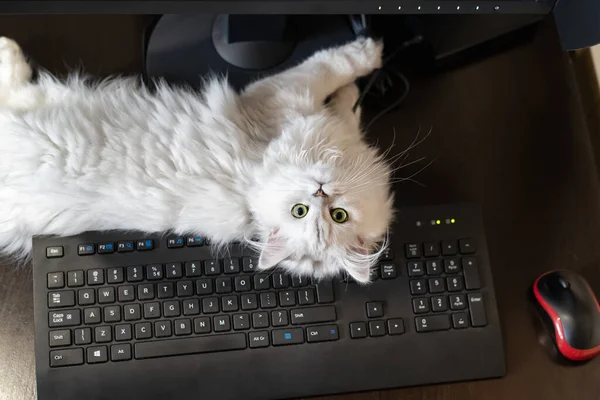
[(77, 157)]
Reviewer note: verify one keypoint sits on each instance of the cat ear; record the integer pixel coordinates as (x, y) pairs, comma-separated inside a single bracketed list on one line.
[(274, 252)]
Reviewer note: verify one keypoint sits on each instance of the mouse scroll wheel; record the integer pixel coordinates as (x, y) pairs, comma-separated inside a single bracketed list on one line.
[(563, 283)]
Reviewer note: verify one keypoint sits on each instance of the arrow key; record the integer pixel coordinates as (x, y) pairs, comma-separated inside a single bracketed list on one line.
[(358, 330), (395, 326)]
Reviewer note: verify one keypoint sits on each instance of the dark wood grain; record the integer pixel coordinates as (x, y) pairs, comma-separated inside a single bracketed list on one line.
[(508, 133)]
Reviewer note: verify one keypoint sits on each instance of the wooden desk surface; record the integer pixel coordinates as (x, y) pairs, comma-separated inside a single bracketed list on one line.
[(508, 133)]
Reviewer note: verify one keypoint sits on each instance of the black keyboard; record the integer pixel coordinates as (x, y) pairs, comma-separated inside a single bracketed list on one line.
[(120, 315)]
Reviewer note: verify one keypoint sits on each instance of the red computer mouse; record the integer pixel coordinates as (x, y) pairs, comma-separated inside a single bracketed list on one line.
[(572, 313)]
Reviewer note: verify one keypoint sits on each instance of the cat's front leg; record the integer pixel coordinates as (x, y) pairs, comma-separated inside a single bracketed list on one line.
[(343, 101), (16, 90), (320, 75)]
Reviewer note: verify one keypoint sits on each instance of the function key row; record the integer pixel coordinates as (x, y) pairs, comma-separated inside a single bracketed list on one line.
[(444, 248)]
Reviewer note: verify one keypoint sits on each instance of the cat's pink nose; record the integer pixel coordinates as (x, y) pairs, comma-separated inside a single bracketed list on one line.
[(320, 193)]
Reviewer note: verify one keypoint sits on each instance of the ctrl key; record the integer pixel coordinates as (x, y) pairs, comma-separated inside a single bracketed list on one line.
[(64, 358)]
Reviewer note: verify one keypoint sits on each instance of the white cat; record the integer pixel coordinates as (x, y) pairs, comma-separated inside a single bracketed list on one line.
[(273, 162)]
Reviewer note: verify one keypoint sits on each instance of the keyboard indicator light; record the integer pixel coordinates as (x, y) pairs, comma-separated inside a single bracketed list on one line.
[(287, 336), (452, 221), (438, 222)]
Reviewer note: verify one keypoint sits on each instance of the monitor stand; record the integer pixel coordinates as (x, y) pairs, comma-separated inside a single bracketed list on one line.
[(184, 48)]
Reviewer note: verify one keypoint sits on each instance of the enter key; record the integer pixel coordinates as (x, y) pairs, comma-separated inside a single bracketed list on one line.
[(477, 310)]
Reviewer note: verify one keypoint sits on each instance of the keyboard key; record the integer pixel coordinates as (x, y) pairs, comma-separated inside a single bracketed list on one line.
[(241, 322), (135, 274), (54, 252), (185, 288), (376, 328), (223, 285), (454, 283), (204, 286), (299, 281), (102, 334), (313, 315), (106, 248), (173, 270), (63, 298), (106, 295), (125, 246), (56, 280), (60, 338), (260, 320), (431, 249), (374, 309), (432, 323), (471, 273), (86, 297), (175, 242), (210, 305), (66, 357), (287, 298), (115, 275), (258, 339), (92, 316), (418, 286), (387, 255), (306, 297), (183, 327), (154, 272), (143, 330), (162, 329), (395, 326), (202, 325), (86, 249), (358, 330), (388, 271), (323, 333), (229, 303), (231, 265), (242, 283), (171, 309), (449, 247), (123, 332), (125, 293), (221, 323), (144, 244), (477, 309), (261, 281), (451, 266), (75, 279), (120, 352), (59, 319), (212, 267), (268, 300), (191, 307), (466, 246), (249, 302), (95, 277), (436, 285), (249, 264), (433, 267), (279, 318), (283, 337), (457, 302), (412, 250), (82, 336), (97, 354), (324, 289), (145, 291), (415, 268), (132, 312), (195, 345), (281, 280), (165, 290), (193, 269), (420, 305), (460, 320), (151, 310), (195, 241), (439, 303), (112, 314)]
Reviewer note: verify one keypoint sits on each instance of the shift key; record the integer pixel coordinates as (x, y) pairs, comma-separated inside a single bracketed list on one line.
[(313, 315)]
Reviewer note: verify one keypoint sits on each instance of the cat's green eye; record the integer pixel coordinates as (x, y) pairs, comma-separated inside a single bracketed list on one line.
[(339, 215), (299, 211)]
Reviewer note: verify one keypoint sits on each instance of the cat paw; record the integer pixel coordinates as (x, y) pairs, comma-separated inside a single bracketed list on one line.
[(366, 52), (14, 69)]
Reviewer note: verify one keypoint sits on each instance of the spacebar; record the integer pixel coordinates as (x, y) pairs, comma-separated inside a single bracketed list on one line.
[(177, 347)]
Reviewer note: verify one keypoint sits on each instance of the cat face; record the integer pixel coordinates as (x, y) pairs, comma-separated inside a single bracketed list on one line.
[(322, 201)]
